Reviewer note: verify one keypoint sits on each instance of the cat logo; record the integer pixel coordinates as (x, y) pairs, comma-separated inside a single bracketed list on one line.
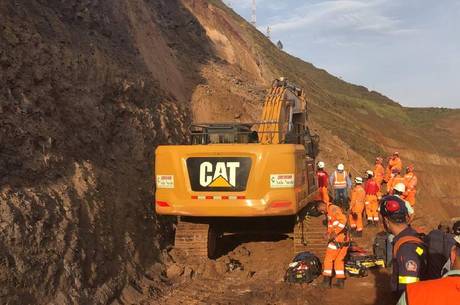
[(218, 174), (223, 174)]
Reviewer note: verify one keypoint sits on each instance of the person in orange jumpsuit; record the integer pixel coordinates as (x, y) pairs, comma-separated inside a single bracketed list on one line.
[(393, 162), (379, 175), (410, 181), (323, 181), (379, 171), (372, 190), (338, 242), (395, 179), (358, 195)]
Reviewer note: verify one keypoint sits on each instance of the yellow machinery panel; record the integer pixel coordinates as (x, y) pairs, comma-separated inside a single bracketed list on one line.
[(232, 180)]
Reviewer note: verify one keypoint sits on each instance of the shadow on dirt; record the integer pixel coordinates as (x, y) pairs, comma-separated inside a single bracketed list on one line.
[(230, 242), (383, 288)]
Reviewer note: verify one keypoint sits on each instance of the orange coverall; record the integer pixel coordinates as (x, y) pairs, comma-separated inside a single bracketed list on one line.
[(338, 243), (372, 189), (410, 181), (357, 207), (392, 182), (379, 173), (323, 180), (394, 162)]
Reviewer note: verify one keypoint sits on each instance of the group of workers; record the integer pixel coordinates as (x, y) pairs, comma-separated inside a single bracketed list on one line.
[(394, 209)]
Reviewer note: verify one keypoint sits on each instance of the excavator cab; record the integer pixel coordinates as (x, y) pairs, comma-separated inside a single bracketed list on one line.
[(223, 133)]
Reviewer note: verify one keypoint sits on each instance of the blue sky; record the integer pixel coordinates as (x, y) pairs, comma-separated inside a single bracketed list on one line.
[(408, 50)]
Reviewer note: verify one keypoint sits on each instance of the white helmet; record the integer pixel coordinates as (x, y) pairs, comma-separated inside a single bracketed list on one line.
[(321, 164), (400, 187), (340, 167), (370, 173), (359, 180)]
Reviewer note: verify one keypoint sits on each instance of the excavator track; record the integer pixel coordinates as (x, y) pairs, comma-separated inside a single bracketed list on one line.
[(196, 239), (309, 236)]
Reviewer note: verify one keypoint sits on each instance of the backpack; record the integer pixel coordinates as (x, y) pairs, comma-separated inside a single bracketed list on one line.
[(430, 269), (439, 244), (382, 247), (304, 268)]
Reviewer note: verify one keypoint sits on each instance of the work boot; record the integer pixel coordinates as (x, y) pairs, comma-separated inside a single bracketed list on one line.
[(326, 282), (359, 234), (339, 283), (369, 223)]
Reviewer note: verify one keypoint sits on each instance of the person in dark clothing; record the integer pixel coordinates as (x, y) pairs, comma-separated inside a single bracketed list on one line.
[(439, 242), (409, 253)]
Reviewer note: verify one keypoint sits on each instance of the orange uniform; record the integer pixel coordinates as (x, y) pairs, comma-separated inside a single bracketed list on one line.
[(372, 190), (357, 207), (379, 173), (338, 243), (393, 163), (410, 181), (392, 182), (323, 180), (444, 291)]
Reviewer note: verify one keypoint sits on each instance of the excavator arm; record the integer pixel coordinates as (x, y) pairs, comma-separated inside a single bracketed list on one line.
[(284, 117)]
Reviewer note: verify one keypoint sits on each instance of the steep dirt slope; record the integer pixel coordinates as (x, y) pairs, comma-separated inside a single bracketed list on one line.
[(87, 90), (355, 124)]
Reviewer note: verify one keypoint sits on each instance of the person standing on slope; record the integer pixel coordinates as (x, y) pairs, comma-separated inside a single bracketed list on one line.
[(372, 190), (341, 183), (358, 195), (394, 162), (444, 291), (379, 173), (323, 178), (410, 181), (409, 253), (395, 179), (338, 242)]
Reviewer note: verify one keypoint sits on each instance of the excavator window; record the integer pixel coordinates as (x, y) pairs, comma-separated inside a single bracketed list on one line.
[(203, 134)]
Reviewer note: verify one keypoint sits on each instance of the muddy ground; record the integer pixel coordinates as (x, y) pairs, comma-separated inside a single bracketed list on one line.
[(260, 278)]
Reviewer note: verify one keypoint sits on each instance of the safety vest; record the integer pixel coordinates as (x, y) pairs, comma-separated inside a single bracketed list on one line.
[(340, 180), (445, 291)]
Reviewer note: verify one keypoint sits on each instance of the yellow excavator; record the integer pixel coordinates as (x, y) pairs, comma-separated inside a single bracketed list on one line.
[(243, 178)]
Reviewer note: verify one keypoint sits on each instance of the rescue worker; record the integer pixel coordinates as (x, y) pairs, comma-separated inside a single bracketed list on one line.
[(393, 162), (357, 207), (443, 291), (323, 179), (398, 191), (410, 181), (395, 179), (379, 171), (337, 247), (409, 253), (341, 183), (371, 189)]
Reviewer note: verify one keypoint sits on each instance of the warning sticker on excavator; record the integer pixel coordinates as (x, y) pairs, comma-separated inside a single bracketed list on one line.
[(282, 181), (165, 181)]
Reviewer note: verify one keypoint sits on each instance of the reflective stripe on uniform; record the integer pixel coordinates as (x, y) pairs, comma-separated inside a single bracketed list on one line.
[(327, 272), (340, 272), (341, 225), (335, 223), (332, 246), (408, 279)]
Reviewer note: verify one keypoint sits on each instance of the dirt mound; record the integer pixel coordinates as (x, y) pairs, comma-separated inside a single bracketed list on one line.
[(87, 90)]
